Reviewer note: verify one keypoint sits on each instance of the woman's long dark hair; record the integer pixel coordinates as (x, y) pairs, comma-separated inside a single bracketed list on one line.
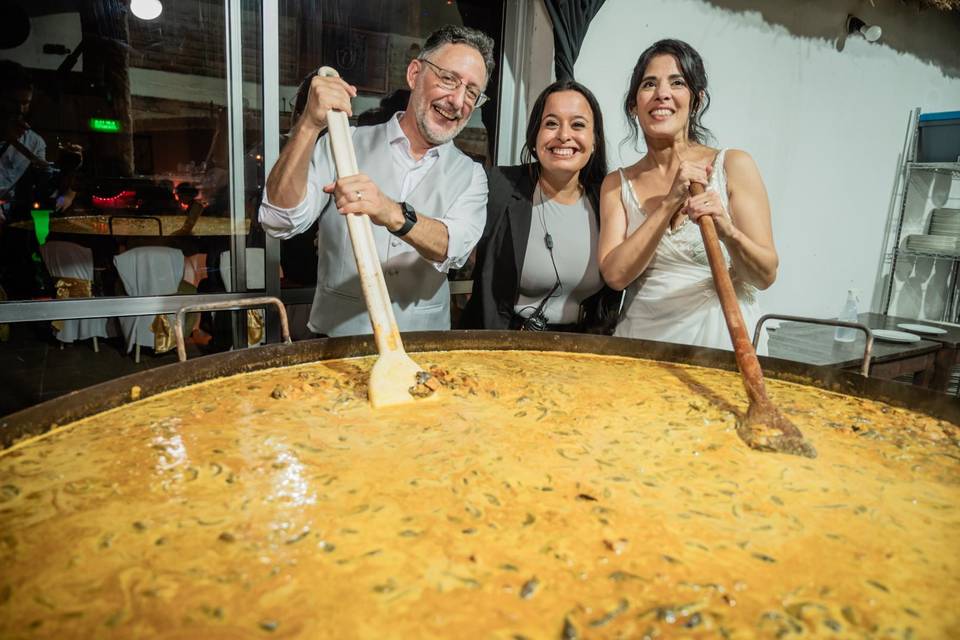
[(596, 168), (691, 66)]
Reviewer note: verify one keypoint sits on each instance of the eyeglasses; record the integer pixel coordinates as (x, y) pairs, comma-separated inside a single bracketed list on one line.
[(451, 82)]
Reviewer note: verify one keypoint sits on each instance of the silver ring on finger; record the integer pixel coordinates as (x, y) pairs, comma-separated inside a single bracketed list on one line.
[(359, 195)]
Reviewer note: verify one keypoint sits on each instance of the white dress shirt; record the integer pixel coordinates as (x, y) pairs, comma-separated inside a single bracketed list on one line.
[(13, 164), (464, 222)]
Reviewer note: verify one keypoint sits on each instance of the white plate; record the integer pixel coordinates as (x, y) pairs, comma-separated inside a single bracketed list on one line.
[(943, 244), (895, 336), (945, 212), (921, 328), (930, 239)]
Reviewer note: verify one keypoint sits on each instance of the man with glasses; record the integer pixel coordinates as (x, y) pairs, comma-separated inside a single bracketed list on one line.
[(426, 199)]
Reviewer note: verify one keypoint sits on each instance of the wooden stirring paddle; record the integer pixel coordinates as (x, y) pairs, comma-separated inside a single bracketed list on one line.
[(764, 427), (395, 376)]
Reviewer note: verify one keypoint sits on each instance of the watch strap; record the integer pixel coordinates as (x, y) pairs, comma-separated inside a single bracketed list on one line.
[(409, 219)]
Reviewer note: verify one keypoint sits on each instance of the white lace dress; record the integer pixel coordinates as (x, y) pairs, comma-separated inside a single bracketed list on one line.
[(674, 299)]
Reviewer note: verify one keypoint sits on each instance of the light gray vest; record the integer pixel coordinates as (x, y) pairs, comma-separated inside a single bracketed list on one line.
[(420, 294)]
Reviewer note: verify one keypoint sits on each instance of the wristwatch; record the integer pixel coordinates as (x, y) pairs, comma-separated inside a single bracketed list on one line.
[(409, 219)]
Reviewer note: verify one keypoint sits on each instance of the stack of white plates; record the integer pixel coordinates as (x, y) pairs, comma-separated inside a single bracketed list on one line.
[(942, 244), (945, 222)]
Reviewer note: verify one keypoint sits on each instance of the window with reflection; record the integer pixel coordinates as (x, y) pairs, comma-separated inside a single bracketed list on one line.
[(115, 167)]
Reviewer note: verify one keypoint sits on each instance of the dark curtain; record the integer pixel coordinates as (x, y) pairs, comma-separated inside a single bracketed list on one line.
[(489, 19), (570, 18)]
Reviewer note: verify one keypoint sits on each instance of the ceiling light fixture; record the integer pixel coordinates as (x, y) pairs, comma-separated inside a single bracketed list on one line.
[(146, 9), (870, 32)]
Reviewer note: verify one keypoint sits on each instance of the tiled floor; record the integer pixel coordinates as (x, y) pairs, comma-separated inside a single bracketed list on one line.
[(34, 368)]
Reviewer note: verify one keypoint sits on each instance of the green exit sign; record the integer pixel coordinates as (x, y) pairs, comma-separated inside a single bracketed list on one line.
[(105, 125)]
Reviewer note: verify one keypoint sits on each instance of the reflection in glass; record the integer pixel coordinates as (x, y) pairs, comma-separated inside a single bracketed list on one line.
[(127, 118)]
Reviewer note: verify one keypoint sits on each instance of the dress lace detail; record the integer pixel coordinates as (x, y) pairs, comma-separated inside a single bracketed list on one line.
[(674, 299), (686, 238)]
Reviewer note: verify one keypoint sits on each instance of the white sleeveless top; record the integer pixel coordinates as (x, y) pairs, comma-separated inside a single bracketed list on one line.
[(674, 299)]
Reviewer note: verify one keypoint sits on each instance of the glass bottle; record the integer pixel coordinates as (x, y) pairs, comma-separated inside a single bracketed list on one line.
[(848, 314)]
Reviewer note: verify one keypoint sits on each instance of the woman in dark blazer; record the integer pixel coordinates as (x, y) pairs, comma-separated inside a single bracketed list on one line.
[(536, 264)]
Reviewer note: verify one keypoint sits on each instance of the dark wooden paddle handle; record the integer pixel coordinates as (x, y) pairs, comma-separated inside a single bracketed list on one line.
[(742, 346)]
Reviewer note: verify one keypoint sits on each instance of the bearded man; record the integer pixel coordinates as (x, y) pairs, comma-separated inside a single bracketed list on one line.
[(426, 199)]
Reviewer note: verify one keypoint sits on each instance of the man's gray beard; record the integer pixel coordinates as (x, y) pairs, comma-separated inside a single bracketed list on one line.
[(436, 140)]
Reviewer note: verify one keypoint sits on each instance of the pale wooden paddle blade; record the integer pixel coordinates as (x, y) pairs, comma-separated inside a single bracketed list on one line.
[(766, 429), (393, 375)]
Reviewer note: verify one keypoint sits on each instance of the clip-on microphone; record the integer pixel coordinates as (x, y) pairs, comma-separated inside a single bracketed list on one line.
[(538, 320)]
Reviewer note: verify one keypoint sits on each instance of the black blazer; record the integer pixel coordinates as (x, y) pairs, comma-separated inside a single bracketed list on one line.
[(501, 251)]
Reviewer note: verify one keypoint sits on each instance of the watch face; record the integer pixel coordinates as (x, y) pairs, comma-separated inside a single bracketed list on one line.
[(410, 218)]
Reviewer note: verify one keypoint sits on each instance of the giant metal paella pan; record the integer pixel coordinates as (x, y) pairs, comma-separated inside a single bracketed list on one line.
[(557, 487)]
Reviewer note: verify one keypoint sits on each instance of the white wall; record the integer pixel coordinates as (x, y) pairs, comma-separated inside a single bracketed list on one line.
[(825, 127)]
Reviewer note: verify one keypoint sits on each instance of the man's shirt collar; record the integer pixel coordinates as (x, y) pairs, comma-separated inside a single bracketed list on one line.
[(395, 135)]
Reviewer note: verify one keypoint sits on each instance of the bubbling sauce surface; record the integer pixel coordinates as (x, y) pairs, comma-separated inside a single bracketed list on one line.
[(541, 495)]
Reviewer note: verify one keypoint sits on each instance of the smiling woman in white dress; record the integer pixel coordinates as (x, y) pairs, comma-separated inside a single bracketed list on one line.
[(649, 244)]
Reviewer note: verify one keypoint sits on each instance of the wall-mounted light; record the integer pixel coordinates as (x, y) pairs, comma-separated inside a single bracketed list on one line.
[(870, 32), (146, 9)]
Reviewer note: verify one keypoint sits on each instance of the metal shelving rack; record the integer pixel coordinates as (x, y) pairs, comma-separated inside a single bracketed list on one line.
[(909, 166)]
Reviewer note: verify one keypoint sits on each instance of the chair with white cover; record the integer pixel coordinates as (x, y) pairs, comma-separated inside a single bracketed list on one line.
[(195, 269), (71, 264), (194, 272), (147, 271), (255, 279)]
